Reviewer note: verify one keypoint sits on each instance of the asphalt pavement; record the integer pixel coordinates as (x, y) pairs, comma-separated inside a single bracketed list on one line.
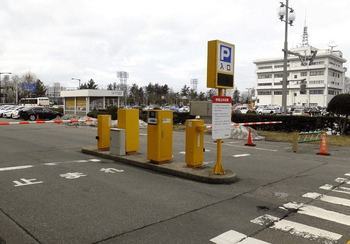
[(52, 193)]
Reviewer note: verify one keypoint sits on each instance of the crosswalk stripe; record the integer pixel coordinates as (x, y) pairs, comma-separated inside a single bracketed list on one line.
[(233, 237), (297, 229), (329, 199), (339, 189), (319, 213)]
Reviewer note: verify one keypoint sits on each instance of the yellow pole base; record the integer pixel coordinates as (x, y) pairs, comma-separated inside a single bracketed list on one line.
[(218, 169)]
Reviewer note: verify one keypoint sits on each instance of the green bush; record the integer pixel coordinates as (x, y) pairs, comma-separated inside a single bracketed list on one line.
[(289, 123)]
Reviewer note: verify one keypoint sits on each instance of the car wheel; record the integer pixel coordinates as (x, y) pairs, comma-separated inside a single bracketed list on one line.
[(32, 117)]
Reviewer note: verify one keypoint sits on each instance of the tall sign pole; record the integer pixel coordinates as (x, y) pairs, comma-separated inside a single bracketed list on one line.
[(220, 75)]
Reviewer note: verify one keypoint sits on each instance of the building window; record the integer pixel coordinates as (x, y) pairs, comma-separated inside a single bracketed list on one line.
[(264, 84), (277, 83), (317, 63), (277, 92), (265, 67), (316, 72), (264, 92), (278, 66), (279, 75), (264, 76), (313, 82), (333, 92), (304, 73), (316, 92), (295, 76)]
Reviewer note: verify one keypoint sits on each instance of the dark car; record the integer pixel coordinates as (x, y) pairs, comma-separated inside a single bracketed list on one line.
[(41, 113)]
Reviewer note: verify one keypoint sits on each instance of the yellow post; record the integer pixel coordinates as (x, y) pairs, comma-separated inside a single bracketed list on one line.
[(128, 119), (218, 169), (194, 143), (103, 132)]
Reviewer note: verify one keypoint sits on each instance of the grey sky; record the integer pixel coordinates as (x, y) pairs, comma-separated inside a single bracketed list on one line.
[(154, 40)]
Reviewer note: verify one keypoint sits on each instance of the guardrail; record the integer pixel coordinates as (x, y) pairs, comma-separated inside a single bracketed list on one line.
[(305, 137)]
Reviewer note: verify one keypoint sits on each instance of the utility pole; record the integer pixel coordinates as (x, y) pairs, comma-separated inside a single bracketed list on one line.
[(286, 14)]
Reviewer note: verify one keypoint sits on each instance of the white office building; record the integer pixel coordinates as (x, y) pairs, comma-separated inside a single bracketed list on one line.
[(324, 77)]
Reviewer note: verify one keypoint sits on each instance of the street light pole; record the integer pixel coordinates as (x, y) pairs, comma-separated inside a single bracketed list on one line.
[(1, 96), (286, 14)]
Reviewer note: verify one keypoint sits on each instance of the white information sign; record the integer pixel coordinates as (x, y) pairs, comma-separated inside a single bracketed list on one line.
[(221, 117)]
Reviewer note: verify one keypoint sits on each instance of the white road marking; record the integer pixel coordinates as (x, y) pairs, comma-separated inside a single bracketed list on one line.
[(94, 160), (16, 167), (347, 174), (342, 180), (240, 155), (319, 213), (51, 164), (80, 161), (112, 170), (206, 150), (183, 152), (143, 134), (26, 182), (297, 229), (340, 189), (330, 199), (233, 237)]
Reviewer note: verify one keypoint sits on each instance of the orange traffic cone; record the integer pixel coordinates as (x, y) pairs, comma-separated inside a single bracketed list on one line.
[(250, 139), (323, 146)]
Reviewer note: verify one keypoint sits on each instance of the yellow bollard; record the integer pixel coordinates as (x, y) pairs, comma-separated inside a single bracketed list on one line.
[(194, 142), (128, 119), (103, 132)]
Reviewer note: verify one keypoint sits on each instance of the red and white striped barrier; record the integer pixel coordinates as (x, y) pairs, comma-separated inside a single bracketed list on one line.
[(46, 122), (251, 123)]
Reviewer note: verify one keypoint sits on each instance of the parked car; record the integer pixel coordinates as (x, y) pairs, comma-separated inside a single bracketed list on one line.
[(4, 109), (15, 112), (270, 110), (184, 109), (242, 109), (35, 113)]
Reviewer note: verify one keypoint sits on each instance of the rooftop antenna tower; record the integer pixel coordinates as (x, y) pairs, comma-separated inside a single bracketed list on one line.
[(305, 41)]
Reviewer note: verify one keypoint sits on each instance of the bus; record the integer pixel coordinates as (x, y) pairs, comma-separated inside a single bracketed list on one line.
[(37, 101)]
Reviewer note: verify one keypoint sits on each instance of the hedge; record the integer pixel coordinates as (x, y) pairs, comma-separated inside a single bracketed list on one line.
[(291, 123)]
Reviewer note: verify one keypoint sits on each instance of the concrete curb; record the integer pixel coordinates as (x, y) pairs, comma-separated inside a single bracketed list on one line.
[(179, 169)]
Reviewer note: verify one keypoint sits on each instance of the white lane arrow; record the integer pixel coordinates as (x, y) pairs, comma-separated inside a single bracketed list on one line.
[(112, 170)]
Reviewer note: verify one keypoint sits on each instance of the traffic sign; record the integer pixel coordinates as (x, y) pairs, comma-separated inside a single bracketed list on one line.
[(221, 117), (220, 70)]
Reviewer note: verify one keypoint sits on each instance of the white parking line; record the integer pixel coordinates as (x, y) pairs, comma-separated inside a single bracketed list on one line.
[(319, 213), (330, 199), (233, 237), (240, 155), (94, 160), (297, 229), (16, 167), (340, 189)]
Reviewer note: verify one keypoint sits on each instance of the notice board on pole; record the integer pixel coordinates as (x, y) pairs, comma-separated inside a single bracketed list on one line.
[(221, 117)]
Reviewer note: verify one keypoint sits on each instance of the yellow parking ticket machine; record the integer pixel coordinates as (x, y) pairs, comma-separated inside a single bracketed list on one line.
[(128, 119), (160, 136), (103, 132), (194, 142)]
